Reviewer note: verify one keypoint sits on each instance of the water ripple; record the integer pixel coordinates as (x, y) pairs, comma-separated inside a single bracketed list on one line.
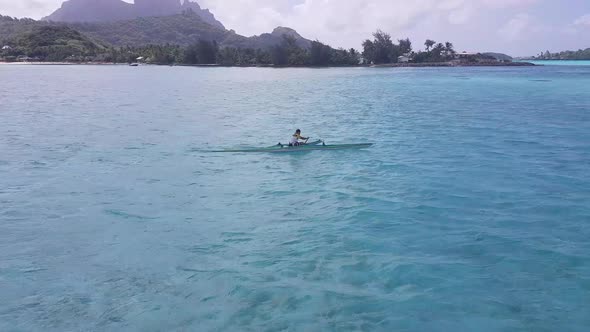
[(471, 212)]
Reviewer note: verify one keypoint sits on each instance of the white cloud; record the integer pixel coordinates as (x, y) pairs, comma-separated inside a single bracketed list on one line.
[(508, 3), (461, 15), (583, 21), (28, 8), (31, 8), (526, 27), (517, 28), (346, 23)]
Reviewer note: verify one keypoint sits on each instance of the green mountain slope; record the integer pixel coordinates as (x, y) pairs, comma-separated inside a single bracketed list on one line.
[(48, 41), (57, 43), (183, 29)]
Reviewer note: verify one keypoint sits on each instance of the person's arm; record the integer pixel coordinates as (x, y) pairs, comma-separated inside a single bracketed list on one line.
[(299, 137)]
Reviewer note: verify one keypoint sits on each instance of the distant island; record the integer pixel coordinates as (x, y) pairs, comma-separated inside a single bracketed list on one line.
[(169, 32), (565, 55)]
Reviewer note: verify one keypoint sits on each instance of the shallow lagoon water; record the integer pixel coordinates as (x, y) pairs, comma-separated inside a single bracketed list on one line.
[(471, 212), (560, 62)]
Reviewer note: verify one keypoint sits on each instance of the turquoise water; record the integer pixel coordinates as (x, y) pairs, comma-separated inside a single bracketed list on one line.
[(561, 62), (471, 213)]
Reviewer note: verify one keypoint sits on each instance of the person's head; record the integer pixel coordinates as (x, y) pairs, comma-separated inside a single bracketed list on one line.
[(298, 131)]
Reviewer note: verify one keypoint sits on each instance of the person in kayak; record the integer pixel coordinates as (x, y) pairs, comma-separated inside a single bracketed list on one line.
[(297, 138)]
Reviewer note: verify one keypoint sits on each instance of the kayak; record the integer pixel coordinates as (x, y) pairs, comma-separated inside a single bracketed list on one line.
[(314, 146), (318, 142)]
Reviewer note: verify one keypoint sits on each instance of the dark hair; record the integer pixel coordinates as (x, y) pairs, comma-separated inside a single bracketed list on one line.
[(298, 130)]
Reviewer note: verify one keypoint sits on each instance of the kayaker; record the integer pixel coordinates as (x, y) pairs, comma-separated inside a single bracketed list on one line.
[(297, 138)]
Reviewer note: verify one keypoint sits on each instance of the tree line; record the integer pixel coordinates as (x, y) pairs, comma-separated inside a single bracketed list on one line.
[(62, 43), (287, 53), (379, 50), (382, 50), (565, 55)]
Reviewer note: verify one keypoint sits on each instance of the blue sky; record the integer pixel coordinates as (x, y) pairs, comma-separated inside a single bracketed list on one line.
[(516, 27)]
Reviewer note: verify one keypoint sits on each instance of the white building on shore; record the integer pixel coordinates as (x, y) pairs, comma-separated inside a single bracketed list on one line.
[(463, 55), (403, 59)]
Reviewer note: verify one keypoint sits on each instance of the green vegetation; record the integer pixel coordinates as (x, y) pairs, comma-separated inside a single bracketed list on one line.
[(566, 55), (47, 42), (54, 43), (182, 29), (382, 50), (187, 39), (10, 28), (287, 53)]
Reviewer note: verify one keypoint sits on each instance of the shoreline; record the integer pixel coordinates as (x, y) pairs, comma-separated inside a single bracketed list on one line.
[(452, 64), (389, 65)]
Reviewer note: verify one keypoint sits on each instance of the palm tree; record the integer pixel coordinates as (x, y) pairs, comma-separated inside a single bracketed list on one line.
[(429, 43), (449, 48)]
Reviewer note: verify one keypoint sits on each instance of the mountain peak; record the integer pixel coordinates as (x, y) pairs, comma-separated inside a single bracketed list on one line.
[(279, 31), (118, 10), (267, 40)]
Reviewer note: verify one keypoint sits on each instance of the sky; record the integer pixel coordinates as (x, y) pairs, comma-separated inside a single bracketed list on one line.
[(515, 27)]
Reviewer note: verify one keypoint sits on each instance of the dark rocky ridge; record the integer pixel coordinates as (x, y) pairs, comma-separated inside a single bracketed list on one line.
[(117, 10), (148, 22), (182, 29)]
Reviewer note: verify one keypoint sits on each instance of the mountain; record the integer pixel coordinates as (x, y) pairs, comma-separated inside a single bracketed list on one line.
[(153, 22), (181, 29), (47, 41), (58, 41), (92, 11), (267, 40), (117, 10)]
